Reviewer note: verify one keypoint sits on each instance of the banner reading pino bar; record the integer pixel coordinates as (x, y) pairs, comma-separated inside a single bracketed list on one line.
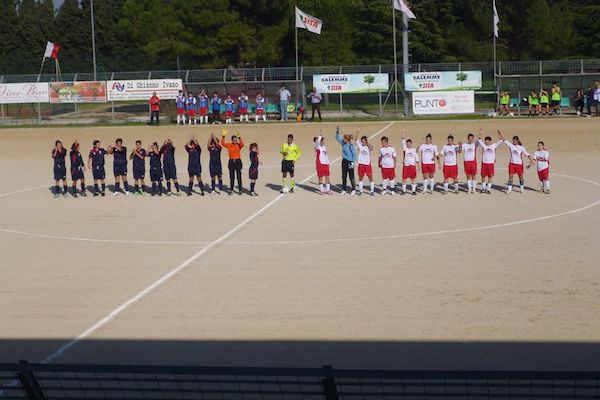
[(11, 93), (445, 80), (78, 92), (142, 89), (452, 102), (351, 83)]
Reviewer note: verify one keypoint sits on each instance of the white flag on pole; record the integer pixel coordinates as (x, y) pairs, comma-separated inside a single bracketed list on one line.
[(400, 5), (496, 19), (308, 22)]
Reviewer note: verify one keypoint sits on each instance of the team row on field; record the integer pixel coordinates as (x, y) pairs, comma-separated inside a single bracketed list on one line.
[(356, 155)]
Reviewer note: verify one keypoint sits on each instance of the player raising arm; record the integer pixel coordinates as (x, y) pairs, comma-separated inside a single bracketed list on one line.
[(410, 163), (194, 167), (515, 166), (77, 168), (542, 158), (348, 160), (322, 161), (169, 167), (214, 164), (156, 171), (235, 161), (138, 155), (488, 161)]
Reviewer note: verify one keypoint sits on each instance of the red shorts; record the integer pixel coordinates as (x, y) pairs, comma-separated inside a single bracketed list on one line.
[(244, 111), (191, 113), (515, 169), (260, 111), (388, 173), (487, 170), (180, 111), (364, 169), (543, 174), (471, 167), (322, 170), (229, 114), (409, 172), (450, 172), (428, 168), (203, 111)]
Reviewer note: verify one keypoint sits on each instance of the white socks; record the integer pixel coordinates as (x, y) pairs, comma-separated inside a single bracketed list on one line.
[(327, 187), (384, 184), (392, 184), (372, 184), (432, 183), (404, 188), (413, 187), (445, 186), (322, 187), (456, 186), (360, 186)]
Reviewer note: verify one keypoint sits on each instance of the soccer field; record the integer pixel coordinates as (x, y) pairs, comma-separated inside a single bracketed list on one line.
[(458, 281)]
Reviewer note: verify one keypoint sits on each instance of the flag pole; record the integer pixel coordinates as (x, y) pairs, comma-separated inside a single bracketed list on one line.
[(42, 66), (404, 58), (494, 38), (296, 30), (395, 59), (93, 38)]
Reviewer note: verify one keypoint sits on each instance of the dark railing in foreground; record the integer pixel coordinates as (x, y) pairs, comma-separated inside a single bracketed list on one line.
[(69, 381)]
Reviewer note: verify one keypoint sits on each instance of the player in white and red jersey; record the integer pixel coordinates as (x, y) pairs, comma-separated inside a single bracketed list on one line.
[(488, 161), (542, 158), (449, 152), (387, 163), (410, 162), (429, 154), (364, 164), (469, 151), (322, 165), (515, 166)]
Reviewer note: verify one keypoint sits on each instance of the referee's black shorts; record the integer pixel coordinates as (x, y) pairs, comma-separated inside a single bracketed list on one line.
[(287, 166)]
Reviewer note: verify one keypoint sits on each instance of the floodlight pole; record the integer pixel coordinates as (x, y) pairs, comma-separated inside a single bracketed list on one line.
[(93, 38)]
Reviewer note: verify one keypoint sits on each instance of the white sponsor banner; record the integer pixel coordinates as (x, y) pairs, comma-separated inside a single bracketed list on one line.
[(453, 102), (24, 93), (351, 83), (445, 80), (142, 89)]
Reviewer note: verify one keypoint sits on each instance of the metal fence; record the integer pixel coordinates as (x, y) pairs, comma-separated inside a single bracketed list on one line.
[(519, 77), (65, 381)]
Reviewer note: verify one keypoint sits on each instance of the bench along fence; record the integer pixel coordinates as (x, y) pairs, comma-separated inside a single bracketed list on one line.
[(518, 77), (68, 381)]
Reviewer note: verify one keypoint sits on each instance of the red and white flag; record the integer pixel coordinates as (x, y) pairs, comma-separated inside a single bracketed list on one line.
[(400, 5), (308, 22), (52, 50)]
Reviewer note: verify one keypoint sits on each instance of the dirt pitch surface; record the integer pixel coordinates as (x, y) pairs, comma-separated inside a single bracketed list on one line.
[(458, 281)]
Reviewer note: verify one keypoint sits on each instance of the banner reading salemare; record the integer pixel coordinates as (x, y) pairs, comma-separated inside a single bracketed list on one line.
[(142, 89), (445, 80), (351, 83), (11, 93), (78, 92), (452, 102)]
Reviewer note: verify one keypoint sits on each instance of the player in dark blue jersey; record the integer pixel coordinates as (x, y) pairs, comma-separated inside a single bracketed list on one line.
[(194, 166), (156, 172), (96, 159), (215, 166), (59, 154), (253, 170), (77, 168), (119, 153), (138, 155), (169, 168)]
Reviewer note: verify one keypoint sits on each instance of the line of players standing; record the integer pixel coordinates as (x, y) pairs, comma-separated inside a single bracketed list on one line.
[(195, 110)]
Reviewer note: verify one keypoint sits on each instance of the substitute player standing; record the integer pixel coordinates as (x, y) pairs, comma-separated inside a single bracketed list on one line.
[(169, 167), (156, 171), (203, 107), (60, 168), (542, 159), (429, 154), (290, 153), (449, 152), (215, 105), (191, 108), (364, 165), (77, 168), (180, 106), (322, 164), (194, 167), (488, 161), (410, 163), (138, 155), (387, 163), (470, 162), (229, 109), (260, 108), (119, 153), (243, 99), (96, 158), (515, 166)]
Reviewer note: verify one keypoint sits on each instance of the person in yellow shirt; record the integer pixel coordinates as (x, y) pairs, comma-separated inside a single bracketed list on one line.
[(504, 102), (290, 153), (556, 96), (544, 102)]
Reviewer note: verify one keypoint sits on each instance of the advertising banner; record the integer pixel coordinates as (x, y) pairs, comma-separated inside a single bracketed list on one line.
[(142, 89), (452, 102), (445, 80), (351, 83), (24, 93), (78, 92)]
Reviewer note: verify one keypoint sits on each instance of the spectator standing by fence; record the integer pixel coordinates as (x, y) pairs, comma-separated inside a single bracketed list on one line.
[(315, 102), (154, 109), (284, 101), (597, 98)]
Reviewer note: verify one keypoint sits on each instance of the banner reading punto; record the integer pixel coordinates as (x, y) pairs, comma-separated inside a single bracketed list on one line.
[(445, 80), (142, 89), (452, 102), (11, 93), (78, 92), (351, 83)]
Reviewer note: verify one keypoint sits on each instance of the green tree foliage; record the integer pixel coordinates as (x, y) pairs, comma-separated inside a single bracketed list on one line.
[(156, 34)]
